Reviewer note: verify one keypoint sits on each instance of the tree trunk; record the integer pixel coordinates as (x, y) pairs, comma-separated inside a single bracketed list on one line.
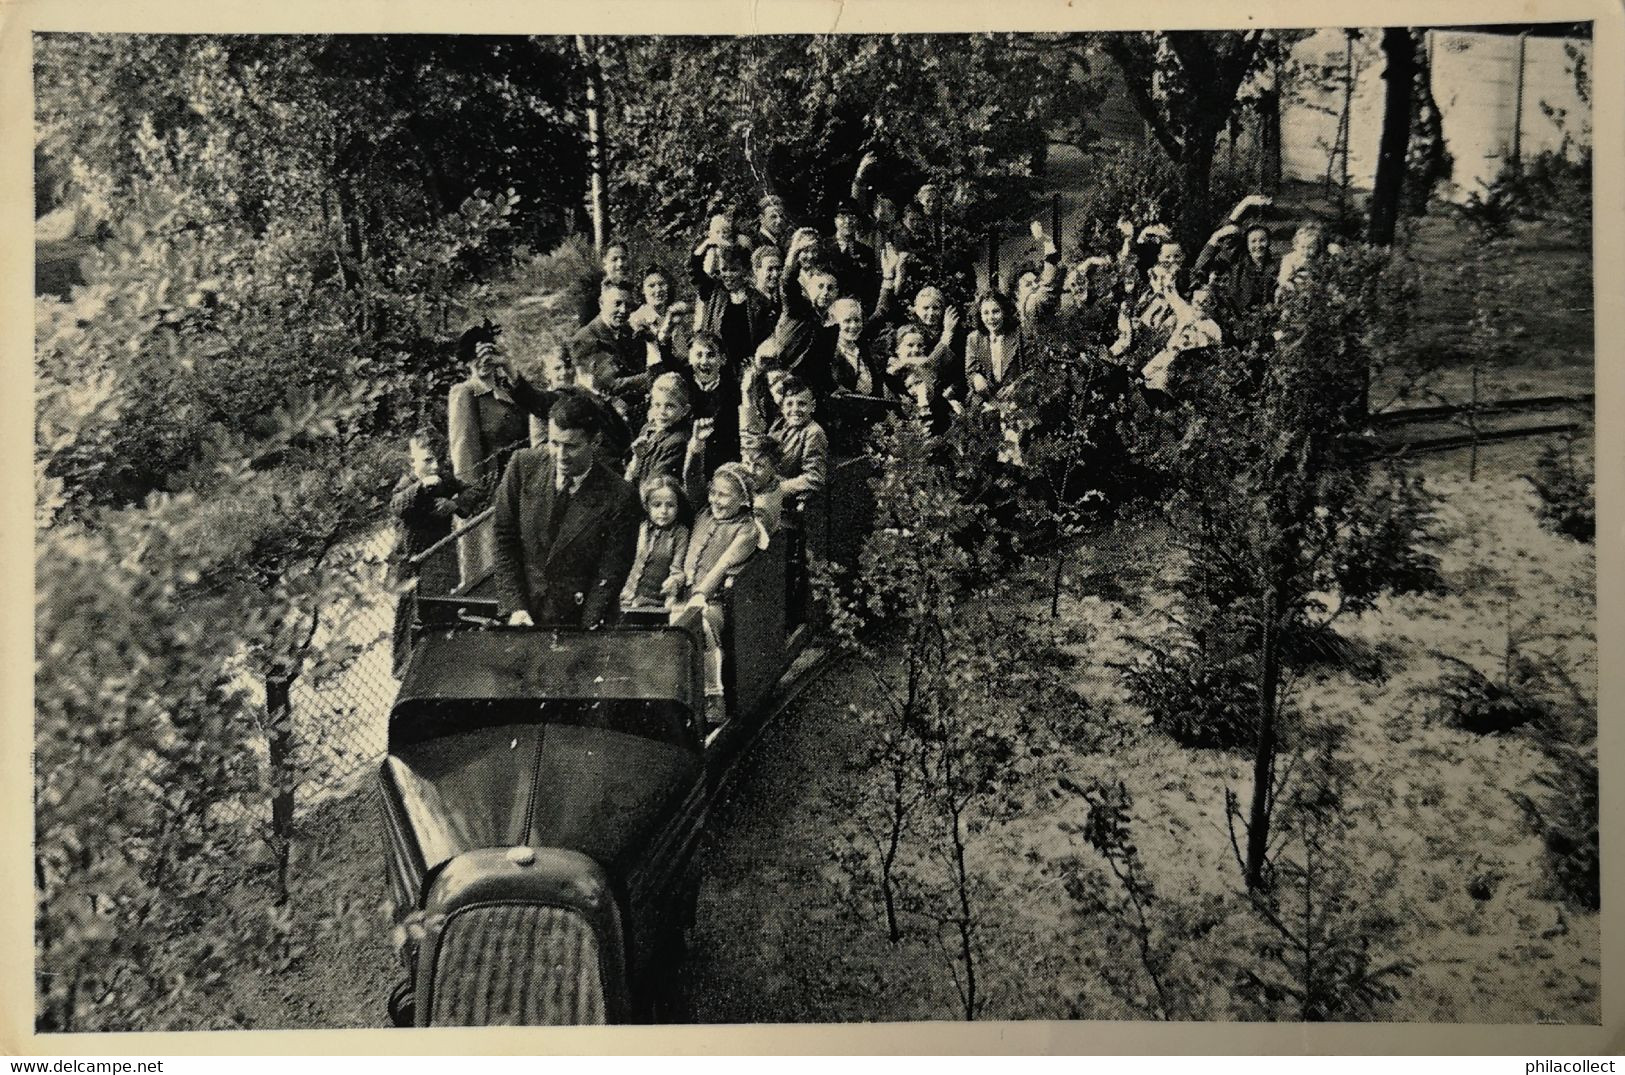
[(888, 861), (1399, 76), (1055, 582), (1196, 177), (1269, 137), (279, 749), (595, 147), (1258, 824), (967, 951)]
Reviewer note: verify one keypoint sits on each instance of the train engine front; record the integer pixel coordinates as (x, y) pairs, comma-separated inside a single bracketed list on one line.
[(542, 795)]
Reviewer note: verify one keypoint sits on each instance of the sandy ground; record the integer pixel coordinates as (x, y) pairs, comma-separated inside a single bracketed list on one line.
[(1433, 805), (783, 936)]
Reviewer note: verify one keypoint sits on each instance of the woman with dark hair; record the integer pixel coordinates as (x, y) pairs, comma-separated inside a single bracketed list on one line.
[(656, 284), (993, 351), (732, 310)]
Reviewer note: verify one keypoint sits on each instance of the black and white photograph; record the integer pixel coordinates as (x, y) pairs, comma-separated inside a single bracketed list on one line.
[(854, 527)]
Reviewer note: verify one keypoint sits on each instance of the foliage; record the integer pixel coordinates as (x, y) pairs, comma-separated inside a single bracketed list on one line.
[(1565, 811), (1473, 702), (793, 115), (1275, 493), (1551, 187), (146, 752), (1070, 415), (1568, 498), (1320, 943), (1140, 182), (397, 130), (1192, 686), (1162, 938), (1186, 85), (220, 407), (965, 694)]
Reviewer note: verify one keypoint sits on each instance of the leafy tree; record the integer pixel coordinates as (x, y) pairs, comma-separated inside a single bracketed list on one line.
[(965, 694), (1320, 949), (1286, 520), (220, 415), (1184, 84), (149, 749), (1074, 412), (792, 116), (378, 136)]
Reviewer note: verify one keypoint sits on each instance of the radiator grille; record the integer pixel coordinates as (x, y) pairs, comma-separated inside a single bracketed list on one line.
[(517, 965)]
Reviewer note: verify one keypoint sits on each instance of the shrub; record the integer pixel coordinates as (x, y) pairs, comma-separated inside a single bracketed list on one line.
[(1127, 179), (1199, 693), (1568, 499), (1550, 187), (1565, 816), (1473, 702)]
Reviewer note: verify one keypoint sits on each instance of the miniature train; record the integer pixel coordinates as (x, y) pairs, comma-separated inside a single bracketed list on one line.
[(544, 790)]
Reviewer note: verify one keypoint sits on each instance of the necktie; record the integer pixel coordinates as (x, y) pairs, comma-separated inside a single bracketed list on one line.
[(561, 504)]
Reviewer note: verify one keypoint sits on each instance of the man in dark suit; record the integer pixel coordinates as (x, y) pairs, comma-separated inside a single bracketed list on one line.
[(610, 334), (857, 269), (566, 527), (612, 269)]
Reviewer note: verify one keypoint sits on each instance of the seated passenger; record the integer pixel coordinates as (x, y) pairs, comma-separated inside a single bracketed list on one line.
[(1038, 290), (423, 505), (558, 374), (725, 536), (857, 368), (1308, 244), (804, 337), (610, 336), (656, 301), (612, 270), (614, 435), (1167, 277), (914, 374), (713, 396), (766, 263), (566, 527), (733, 311), (663, 444), (1194, 329), (771, 232), (486, 424), (662, 542), (993, 354), (769, 499), (797, 445)]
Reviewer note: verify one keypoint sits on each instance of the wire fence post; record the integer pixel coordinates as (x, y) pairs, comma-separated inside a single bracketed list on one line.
[(1517, 104)]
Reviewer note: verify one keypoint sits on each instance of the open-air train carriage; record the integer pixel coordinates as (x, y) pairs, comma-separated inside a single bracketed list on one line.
[(544, 789)]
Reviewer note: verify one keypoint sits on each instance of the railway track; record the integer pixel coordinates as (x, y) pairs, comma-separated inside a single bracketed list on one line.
[(1452, 426)]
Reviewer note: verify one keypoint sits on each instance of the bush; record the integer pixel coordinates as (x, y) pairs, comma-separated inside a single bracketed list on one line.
[(1197, 693), (1568, 499), (1127, 179), (1473, 702), (1549, 187), (1565, 816)]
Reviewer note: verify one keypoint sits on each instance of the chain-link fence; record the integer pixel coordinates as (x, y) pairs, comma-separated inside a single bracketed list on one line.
[(341, 705)]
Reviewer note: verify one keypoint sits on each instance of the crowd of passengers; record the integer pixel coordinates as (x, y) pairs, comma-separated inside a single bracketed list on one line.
[(678, 429)]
